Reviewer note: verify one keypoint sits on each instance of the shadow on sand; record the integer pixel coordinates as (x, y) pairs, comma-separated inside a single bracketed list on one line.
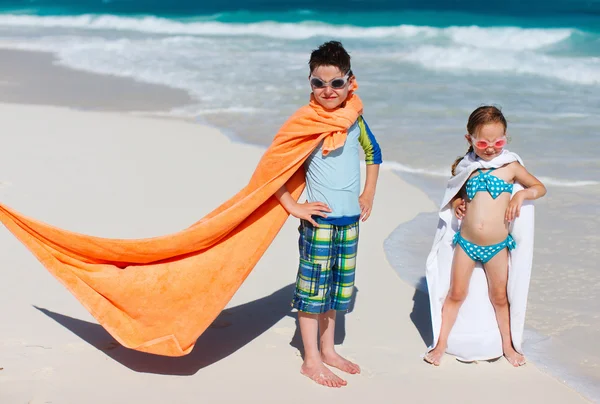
[(421, 313), (234, 328)]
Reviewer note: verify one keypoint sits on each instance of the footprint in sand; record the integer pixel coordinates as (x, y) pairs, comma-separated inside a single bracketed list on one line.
[(385, 348), (43, 373), (111, 345), (368, 373), (285, 331), (219, 322)]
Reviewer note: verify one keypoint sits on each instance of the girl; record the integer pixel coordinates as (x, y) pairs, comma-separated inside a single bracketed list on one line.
[(480, 195)]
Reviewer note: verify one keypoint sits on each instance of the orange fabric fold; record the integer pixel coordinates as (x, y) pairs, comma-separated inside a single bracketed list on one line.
[(158, 295)]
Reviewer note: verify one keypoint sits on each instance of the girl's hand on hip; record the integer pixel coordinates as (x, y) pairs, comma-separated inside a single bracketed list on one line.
[(461, 208)]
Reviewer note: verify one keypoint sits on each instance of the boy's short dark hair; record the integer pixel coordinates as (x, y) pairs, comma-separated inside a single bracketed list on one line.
[(331, 53)]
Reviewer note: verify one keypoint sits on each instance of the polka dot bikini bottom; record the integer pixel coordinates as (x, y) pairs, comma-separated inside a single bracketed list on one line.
[(483, 253)]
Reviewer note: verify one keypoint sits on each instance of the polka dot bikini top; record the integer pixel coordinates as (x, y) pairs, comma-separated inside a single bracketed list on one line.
[(487, 182)]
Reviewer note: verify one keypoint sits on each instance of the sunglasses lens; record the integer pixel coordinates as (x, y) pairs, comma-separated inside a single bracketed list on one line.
[(316, 83), (482, 144), (338, 83)]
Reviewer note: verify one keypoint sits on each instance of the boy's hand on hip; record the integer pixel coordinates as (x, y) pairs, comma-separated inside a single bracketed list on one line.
[(307, 210), (366, 205)]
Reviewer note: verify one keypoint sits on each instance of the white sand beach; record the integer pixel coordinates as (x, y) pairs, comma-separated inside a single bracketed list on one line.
[(114, 174)]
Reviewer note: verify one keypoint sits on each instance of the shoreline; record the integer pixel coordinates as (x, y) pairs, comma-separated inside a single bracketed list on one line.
[(217, 136), (35, 78)]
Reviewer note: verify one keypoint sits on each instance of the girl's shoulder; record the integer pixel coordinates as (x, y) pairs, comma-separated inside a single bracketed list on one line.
[(514, 165), (508, 171)]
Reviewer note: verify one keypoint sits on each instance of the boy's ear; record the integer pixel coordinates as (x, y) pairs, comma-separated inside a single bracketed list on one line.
[(352, 83)]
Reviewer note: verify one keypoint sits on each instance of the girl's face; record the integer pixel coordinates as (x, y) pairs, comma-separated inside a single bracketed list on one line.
[(489, 140)]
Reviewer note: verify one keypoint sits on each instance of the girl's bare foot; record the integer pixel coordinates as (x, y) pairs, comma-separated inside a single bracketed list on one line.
[(514, 358), (321, 374), (334, 359), (434, 356)]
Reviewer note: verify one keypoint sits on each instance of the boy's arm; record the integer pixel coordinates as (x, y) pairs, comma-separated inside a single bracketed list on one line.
[(304, 211), (369, 143), (373, 160), (368, 195)]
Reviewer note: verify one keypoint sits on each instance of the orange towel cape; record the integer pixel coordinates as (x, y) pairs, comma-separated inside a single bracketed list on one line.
[(158, 295)]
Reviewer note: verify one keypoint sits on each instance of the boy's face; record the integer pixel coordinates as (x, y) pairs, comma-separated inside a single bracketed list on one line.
[(327, 96)]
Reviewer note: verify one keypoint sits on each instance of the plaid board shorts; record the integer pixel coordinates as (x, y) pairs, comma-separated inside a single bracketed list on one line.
[(325, 279)]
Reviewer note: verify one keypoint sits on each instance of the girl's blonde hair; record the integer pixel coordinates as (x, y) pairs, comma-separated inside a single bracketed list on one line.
[(481, 116)]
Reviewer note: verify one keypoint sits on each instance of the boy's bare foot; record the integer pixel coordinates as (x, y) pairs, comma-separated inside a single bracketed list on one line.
[(322, 375), (434, 356), (334, 359), (514, 358)]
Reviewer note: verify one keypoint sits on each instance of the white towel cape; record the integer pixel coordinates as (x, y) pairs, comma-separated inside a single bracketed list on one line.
[(475, 335)]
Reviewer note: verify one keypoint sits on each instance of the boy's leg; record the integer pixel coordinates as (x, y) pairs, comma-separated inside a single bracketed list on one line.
[(311, 298), (496, 270), (328, 353), (313, 366), (342, 288)]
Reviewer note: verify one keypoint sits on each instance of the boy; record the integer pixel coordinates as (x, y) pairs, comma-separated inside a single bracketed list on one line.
[(330, 220)]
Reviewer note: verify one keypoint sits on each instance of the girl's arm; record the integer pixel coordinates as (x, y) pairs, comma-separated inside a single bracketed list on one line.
[(534, 189)]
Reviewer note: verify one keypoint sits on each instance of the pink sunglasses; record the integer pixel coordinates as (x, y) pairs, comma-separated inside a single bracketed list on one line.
[(484, 144)]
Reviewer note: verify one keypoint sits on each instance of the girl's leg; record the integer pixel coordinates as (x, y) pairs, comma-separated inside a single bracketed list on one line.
[(462, 269), (328, 353), (313, 366), (496, 270)]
